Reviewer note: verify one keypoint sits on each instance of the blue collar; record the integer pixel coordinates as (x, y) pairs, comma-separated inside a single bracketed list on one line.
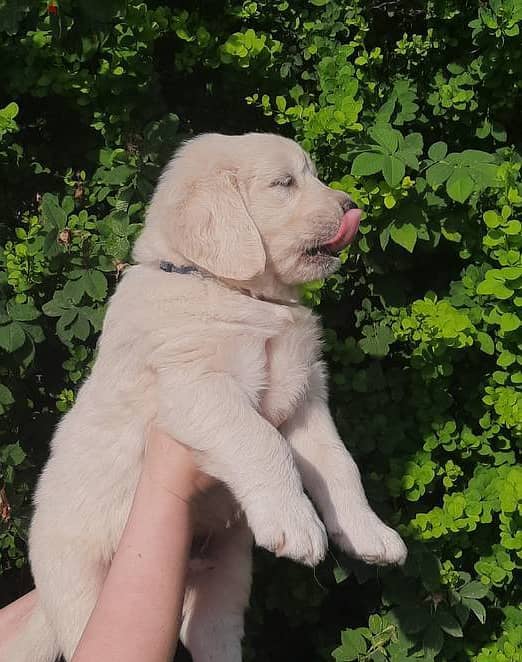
[(170, 267)]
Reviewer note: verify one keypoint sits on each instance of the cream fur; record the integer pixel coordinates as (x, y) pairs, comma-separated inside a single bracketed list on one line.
[(238, 379)]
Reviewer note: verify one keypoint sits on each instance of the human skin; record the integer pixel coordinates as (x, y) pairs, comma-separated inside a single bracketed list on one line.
[(13, 617), (137, 616)]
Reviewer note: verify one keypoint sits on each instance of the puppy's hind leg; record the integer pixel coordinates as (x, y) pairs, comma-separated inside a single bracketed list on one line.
[(217, 596), (68, 590)]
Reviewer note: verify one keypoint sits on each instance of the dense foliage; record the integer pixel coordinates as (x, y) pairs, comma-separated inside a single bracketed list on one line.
[(411, 107)]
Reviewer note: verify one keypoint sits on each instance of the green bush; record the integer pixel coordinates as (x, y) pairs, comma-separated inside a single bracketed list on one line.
[(413, 108)]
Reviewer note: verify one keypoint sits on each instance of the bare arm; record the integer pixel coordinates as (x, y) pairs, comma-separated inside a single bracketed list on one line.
[(137, 616), (13, 617)]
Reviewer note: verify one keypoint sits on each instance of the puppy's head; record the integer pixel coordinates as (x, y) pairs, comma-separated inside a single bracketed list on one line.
[(239, 206)]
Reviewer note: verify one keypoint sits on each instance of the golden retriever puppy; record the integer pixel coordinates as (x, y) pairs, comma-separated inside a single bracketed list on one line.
[(205, 338)]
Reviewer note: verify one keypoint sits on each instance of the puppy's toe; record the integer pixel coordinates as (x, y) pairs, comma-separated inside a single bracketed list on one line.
[(370, 540)]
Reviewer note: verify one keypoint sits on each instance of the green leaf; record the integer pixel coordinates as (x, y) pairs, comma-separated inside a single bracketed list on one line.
[(448, 623), (454, 68), (6, 397), (511, 273), (95, 284), (53, 212), (340, 574), (384, 237), (509, 322), (506, 359), (68, 317), (385, 136), (404, 235), (7, 115), (476, 607), (281, 104), (15, 454), (483, 131), (438, 151), (74, 289), (53, 308), (413, 142), (437, 174), (486, 344), (495, 288), (393, 170), (68, 204), (385, 112), (118, 247), (118, 175), (408, 157), (22, 312), (81, 328), (367, 163), (470, 157), (12, 337), (484, 174), (375, 623), (377, 340), (474, 590), (498, 132), (95, 316), (353, 645), (10, 111), (514, 227), (460, 185), (492, 219)]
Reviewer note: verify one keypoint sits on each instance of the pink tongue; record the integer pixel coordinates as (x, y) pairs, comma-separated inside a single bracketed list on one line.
[(347, 231)]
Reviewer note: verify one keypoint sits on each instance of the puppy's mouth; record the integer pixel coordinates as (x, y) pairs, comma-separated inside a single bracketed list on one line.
[(343, 237)]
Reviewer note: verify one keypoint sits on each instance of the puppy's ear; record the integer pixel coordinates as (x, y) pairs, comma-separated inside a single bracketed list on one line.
[(214, 230)]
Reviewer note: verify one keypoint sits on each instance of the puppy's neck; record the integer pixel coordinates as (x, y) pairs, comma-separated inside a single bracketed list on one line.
[(265, 287), (268, 288)]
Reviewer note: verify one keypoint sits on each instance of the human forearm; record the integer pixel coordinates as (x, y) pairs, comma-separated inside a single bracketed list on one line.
[(137, 616), (13, 617)]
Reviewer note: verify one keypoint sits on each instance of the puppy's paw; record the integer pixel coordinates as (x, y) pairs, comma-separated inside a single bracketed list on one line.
[(367, 538), (293, 530)]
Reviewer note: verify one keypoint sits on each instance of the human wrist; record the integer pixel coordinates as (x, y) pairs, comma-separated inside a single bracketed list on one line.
[(170, 466), (179, 486)]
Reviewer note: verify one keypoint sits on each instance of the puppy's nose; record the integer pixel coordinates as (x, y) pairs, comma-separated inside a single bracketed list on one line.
[(348, 204)]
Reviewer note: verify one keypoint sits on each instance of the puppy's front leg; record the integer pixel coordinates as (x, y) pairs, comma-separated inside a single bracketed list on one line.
[(333, 480), (211, 414)]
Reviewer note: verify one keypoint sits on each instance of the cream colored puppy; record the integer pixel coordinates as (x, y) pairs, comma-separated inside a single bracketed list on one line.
[(205, 338)]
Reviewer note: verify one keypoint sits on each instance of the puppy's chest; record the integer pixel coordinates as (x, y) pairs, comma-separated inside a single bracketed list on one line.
[(290, 357)]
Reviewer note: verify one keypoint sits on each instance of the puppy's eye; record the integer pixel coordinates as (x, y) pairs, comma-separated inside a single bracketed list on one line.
[(285, 181)]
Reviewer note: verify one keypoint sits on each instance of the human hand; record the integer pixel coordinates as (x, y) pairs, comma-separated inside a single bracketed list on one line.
[(171, 465), (138, 613)]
